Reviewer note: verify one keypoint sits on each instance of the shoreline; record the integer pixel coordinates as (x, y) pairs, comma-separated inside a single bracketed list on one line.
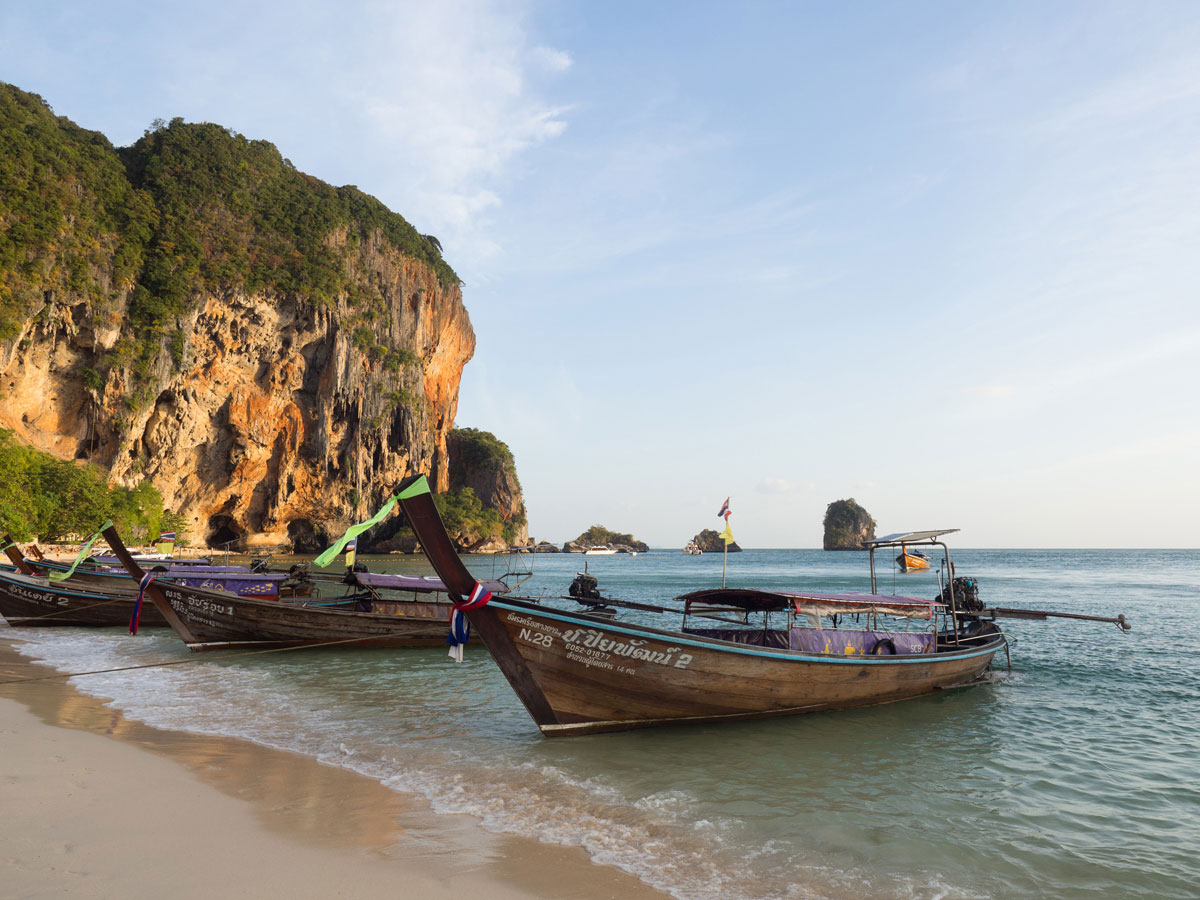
[(98, 805)]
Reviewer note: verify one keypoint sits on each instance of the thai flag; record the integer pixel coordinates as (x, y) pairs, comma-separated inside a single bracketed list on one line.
[(460, 628), (479, 597), (352, 545), (167, 537), (724, 509)]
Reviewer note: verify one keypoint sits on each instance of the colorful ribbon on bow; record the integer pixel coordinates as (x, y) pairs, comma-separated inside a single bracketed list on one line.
[(63, 576), (137, 604), (460, 628)]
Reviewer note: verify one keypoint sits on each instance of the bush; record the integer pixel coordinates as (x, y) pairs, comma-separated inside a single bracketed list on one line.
[(53, 498), (468, 522), (598, 534)]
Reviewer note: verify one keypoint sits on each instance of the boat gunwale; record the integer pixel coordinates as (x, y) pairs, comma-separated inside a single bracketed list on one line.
[(48, 587), (288, 602), (733, 647)]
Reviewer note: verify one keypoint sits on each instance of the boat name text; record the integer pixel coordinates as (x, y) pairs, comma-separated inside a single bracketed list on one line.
[(634, 648), (593, 648)]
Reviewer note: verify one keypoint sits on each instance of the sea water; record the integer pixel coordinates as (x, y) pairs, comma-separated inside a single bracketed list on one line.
[(1075, 775)]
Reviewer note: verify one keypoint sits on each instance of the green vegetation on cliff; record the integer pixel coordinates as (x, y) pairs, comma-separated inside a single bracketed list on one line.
[(469, 523), (52, 498), (188, 210), (477, 458), (70, 220), (475, 449), (482, 463), (598, 534), (847, 525)]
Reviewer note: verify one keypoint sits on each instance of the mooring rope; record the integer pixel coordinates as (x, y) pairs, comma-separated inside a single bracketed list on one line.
[(189, 661)]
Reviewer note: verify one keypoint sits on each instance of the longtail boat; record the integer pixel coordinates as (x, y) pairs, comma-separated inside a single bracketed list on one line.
[(28, 599), (373, 612), (235, 579), (911, 561), (92, 596), (580, 674)]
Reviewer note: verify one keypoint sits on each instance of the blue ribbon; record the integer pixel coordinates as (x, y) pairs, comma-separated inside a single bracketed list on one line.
[(137, 604), (460, 629)]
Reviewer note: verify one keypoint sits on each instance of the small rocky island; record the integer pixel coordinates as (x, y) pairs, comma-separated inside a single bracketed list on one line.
[(600, 537), (847, 526), (711, 541)]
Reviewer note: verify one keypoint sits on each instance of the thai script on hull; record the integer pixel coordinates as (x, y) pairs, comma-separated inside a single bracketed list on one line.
[(634, 648)]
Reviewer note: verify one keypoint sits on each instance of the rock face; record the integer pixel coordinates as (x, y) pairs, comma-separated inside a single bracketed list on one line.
[(278, 430), (847, 526), (600, 537), (273, 353), (480, 461), (711, 542)]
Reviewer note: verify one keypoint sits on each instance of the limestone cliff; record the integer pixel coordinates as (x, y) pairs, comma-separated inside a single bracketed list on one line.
[(710, 541), (480, 461), (274, 354), (847, 526), (277, 429)]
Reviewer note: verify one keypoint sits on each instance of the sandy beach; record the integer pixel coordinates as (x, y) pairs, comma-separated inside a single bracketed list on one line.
[(97, 806)]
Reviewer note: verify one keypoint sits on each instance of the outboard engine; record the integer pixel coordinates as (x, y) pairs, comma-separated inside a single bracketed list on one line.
[(966, 595), (357, 567), (585, 587)]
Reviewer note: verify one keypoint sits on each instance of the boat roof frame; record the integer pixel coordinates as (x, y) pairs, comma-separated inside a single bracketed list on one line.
[(908, 537), (753, 600), (920, 538)]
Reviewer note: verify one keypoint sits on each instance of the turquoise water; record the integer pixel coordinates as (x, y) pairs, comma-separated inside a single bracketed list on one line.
[(1075, 776)]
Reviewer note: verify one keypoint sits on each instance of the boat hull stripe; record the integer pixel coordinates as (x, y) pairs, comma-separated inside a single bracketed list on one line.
[(728, 647)]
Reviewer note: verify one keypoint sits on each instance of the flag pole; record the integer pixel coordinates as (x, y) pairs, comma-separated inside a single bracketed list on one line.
[(726, 538)]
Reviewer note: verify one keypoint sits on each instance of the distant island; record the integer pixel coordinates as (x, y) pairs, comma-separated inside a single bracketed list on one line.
[(711, 541), (599, 536), (847, 526)]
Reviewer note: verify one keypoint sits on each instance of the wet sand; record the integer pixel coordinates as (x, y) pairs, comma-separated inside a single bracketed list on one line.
[(98, 806)]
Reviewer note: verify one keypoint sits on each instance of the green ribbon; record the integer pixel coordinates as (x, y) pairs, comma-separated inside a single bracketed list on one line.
[(418, 487), (63, 576)]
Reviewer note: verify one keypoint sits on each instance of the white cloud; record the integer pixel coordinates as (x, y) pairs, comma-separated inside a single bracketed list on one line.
[(550, 59), (1135, 95), (450, 93)]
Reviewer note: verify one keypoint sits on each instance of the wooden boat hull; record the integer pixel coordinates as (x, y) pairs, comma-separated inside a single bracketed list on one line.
[(210, 620), (249, 584), (909, 563), (29, 601), (578, 674)]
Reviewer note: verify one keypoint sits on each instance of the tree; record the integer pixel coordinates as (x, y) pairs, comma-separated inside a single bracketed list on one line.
[(70, 499), (52, 498), (172, 521)]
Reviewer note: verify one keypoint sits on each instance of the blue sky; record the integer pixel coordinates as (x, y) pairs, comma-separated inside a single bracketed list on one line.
[(940, 257)]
